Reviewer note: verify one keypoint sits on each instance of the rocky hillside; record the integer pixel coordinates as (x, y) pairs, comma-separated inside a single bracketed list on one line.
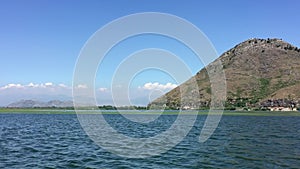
[(257, 71)]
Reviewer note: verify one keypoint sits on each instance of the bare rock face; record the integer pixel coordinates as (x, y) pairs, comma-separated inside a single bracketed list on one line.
[(256, 70)]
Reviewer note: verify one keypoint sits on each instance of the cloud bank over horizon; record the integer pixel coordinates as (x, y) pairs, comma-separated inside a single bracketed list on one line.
[(47, 91)]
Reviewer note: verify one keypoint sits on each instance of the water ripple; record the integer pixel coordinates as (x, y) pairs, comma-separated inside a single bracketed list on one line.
[(58, 141)]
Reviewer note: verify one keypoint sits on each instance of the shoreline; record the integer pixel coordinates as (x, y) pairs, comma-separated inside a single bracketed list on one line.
[(152, 112)]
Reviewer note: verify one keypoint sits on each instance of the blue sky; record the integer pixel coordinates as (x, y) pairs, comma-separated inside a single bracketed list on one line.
[(41, 40)]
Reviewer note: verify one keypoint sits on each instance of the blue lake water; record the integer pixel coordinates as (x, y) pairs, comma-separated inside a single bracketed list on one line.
[(58, 141)]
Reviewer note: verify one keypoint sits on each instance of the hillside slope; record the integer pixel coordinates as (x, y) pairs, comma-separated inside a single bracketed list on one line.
[(257, 71)]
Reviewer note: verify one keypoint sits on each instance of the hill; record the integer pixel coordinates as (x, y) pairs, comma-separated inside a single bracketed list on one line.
[(39, 104), (258, 73)]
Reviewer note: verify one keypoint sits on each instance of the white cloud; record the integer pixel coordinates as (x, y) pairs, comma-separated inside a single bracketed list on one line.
[(48, 84), (32, 86), (63, 85), (103, 89), (81, 86), (11, 85), (158, 86)]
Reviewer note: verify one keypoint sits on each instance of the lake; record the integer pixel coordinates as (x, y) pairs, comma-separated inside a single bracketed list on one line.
[(58, 141)]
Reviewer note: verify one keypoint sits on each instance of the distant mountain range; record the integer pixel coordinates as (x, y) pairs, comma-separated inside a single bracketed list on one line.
[(259, 73), (39, 104)]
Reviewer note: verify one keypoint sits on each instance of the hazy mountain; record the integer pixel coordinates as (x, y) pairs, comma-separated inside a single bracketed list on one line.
[(32, 104), (258, 71)]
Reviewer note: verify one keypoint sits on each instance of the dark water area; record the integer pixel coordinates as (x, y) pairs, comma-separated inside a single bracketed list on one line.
[(58, 141)]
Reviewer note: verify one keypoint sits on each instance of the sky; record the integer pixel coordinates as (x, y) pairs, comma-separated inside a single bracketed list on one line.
[(40, 41)]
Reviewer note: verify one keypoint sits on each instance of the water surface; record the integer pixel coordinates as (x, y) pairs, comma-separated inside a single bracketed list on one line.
[(58, 141)]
